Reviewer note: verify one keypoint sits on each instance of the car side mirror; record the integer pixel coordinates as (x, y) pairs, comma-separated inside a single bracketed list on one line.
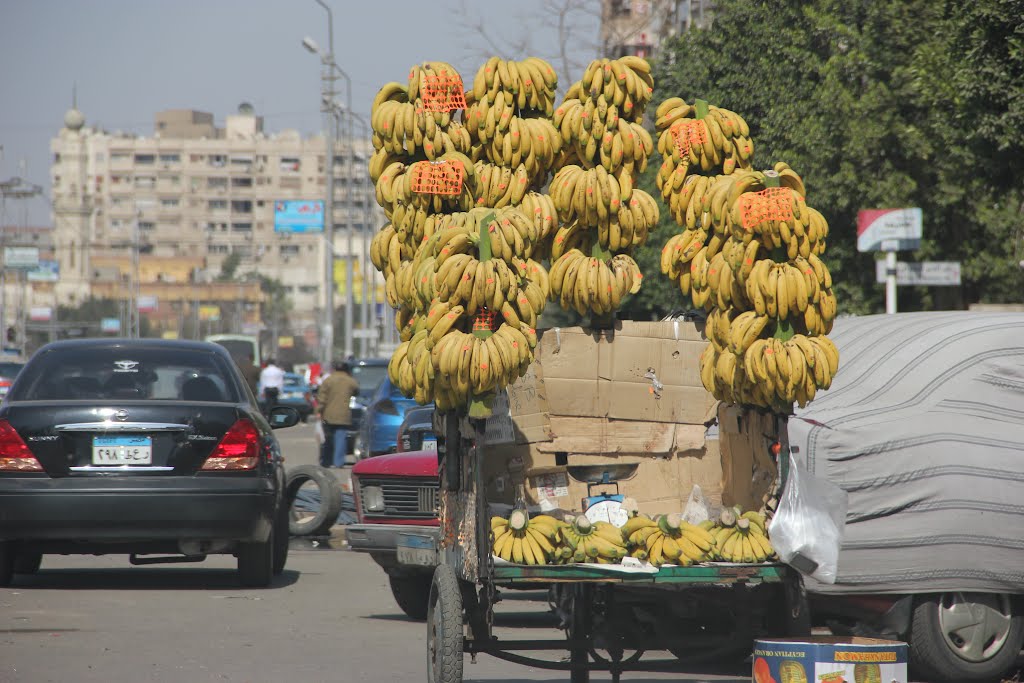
[(283, 416)]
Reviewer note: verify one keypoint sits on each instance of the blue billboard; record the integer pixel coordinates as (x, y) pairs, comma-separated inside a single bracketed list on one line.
[(296, 215)]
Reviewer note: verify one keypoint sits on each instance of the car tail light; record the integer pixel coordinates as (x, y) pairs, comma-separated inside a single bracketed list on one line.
[(399, 447), (14, 454), (238, 450), (387, 407)]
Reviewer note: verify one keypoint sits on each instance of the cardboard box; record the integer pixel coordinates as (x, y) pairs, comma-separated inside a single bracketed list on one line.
[(830, 659), (749, 472)]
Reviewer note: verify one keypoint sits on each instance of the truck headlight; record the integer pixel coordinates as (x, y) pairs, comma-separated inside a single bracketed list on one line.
[(373, 499)]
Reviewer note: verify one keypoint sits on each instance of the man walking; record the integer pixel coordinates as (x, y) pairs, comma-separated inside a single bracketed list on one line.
[(271, 384), (334, 397), (250, 372)]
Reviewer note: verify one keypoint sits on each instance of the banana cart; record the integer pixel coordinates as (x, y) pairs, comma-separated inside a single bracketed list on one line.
[(612, 619)]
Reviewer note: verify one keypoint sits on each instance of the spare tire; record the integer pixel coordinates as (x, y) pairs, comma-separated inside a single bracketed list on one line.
[(314, 500)]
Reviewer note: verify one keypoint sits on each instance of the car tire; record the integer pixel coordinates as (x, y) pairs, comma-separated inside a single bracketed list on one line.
[(317, 523), (281, 537), (964, 637), (27, 563), (412, 594), (7, 556), (256, 563)]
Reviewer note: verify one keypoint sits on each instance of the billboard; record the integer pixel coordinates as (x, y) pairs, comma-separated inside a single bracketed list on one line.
[(40, 314), (889, 229), (340, 275), (147, 304), (209, 313), (298, 216), (48, 270), (21, 257), (110, 326), (924, 273)]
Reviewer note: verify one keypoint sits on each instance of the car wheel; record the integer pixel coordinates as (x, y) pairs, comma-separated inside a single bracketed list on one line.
[(314, 500), (281, 537), (256, 563), (6, 563), (412, 593), (962, 637), (27, 563)]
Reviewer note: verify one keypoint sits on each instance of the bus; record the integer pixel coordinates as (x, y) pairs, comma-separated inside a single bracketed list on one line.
[(239, 345)]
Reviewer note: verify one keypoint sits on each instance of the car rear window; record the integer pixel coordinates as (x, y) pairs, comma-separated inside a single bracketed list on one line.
[(369, 376), (126, 373)]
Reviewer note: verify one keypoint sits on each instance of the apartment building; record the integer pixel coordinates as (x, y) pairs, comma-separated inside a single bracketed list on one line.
[(638, 27), (192, 195)]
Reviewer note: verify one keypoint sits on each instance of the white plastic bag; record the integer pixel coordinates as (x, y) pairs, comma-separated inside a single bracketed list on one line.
[(318, 432), (807, 529)]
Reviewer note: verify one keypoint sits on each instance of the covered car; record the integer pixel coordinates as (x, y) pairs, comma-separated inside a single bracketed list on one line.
[(923, 427)]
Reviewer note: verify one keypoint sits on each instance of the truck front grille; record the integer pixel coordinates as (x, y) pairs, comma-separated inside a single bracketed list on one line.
[(404, 497)]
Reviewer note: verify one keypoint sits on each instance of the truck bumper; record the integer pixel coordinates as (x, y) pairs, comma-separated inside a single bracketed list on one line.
[(382, 542)]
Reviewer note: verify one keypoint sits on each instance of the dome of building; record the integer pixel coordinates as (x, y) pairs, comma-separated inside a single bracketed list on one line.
[(73, 119)]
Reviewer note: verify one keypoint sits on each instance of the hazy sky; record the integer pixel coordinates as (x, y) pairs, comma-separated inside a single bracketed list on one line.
[(132, 58)]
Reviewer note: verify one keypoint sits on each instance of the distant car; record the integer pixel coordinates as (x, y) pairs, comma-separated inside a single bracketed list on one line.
[(8, 372), (149, 448), (297, 394), (416, 433), (368, 372), (378, 433)]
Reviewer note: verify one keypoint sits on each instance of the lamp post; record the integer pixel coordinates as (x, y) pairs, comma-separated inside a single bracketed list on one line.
[(331, 71)]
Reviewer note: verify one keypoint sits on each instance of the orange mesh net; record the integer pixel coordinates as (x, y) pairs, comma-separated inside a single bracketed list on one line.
[(437, 177), (772, 204), (443, 93), (689, 133), (485, 320)]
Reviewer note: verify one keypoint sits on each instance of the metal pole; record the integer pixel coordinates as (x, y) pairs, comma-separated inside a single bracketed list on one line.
[(136, 289), (349, 248), (327, 101), (890, 282)]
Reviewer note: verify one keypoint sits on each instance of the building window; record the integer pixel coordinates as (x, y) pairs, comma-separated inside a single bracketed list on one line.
[(291, 183), (170, 158), (289, 249), (145, 159), (120, 157), (243, 250), (290, 164), (241, 227), (309, 289), (217, 183), (241, 182), (195, 158), (116, 179), (217, 205), (217, 160), (621, 8), (241, 206), (217, 249), (145, 181), (168, 203), (147, 225)]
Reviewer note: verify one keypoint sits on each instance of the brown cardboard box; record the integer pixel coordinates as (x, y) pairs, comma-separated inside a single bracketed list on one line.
[(746, 436)]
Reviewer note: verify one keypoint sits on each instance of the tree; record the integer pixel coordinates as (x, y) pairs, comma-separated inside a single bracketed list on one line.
[(876, 105), (229, 266)]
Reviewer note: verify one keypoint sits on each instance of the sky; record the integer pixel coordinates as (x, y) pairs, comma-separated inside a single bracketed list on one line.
[(129, 59)]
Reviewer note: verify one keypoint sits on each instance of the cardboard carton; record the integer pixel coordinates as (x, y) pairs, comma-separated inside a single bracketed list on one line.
[(830, 659)]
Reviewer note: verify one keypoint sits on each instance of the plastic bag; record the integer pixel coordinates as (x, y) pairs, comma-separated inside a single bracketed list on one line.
[(318, 432), (807, 529)]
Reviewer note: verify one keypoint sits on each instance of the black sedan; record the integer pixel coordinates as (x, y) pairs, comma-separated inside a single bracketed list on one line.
[(149, 448)]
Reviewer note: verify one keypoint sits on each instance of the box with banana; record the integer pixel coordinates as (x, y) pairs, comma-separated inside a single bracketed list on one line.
[(604, 217)]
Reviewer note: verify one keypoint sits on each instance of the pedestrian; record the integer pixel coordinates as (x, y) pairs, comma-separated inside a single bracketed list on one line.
[(271, 384), (334, 405), (250, 372)]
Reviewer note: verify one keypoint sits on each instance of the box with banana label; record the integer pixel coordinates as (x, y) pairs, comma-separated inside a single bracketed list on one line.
[(829, 659)]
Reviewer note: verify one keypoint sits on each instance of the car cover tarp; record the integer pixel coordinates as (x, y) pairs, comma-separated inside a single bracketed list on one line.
[(924, 428)]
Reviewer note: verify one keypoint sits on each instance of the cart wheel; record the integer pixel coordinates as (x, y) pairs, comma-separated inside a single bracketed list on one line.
[(444, 628), (579, 657)]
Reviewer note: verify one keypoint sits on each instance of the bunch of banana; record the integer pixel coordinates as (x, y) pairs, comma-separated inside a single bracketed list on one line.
[(598, 542), (584, 283), (410, 368), (424, 80), (600, 136), (622, 216), (501, 186), (669, 540), (407, 128), (719, 140), (541, 209), (533, 144), (690, 200), (525, 86), (465, 365), (526, 540), (395, 186), (625, 83), (742, 537)]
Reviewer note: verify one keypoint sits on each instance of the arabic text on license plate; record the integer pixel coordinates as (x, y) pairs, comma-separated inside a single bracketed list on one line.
[(122, 450), (430, 444)]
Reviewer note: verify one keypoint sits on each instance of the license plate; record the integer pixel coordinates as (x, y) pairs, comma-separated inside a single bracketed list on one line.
[(122, 450), (417, 551), (429, 445)]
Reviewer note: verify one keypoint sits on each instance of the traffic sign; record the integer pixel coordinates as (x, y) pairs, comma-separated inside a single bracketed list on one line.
[(889, 229), (926, 273)]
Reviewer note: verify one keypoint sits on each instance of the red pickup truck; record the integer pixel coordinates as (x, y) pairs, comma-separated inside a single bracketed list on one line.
[(396, 500)]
